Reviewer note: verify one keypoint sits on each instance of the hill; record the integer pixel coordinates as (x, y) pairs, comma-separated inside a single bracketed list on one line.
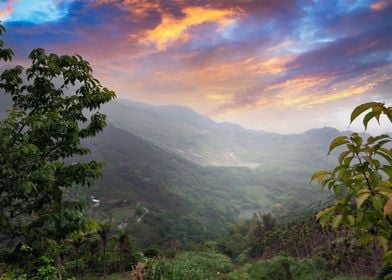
[(163, 195)]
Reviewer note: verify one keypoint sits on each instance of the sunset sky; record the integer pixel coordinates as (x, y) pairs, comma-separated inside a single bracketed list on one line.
[(276, 65)]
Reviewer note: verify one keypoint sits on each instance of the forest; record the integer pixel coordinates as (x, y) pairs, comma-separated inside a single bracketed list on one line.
[(88, 192)]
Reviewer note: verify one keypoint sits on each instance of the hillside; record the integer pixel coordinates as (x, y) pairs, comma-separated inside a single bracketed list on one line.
[(181, 196), (195, 137), (159, 194)]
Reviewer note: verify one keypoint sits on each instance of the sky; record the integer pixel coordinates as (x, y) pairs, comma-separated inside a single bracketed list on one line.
[(276, 65)]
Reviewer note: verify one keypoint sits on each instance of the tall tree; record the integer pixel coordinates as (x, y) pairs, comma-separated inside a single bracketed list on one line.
[(40, 139), (104, 234)]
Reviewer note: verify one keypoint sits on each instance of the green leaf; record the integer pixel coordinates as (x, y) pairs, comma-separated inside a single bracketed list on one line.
[(365, 239), (357, 139), (324, 219), (338, 189), (338, 141), (377, 202), (388, 170), (388, 257), (388, 112), (375, 179), (336, 221), (361, 198), (388, 207), (350, 220), (324, 212), (319, 175), (382, 241), (362, 108), (367, 118), (343, 155), (385, 154), (372, 140)]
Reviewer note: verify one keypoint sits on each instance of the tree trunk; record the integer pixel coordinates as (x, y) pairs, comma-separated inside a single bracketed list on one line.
[(104, 262), (58, 266)]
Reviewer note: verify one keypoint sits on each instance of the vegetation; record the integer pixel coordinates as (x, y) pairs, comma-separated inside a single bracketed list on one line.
[(183, 220), (362, 183), (43, 129)]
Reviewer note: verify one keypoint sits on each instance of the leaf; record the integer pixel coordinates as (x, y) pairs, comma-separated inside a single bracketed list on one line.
[(343, 155), (382, 241), (375, 179), (372, 140), (324, 219), (361, 199), (319, 175), (365, 239), (350, 220), (388, 170), (325, 181), (388, 112), (339, 189), (384, 190), (324, 212), (388, 257), (367, 118), (357, 139), (388, 207), (380, 144), (338, 141), (377, 202), (385, 154), (336, 221), (362, 108)]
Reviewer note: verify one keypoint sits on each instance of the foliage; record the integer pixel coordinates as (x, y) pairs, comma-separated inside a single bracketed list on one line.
[(302, 238), (39, 139), (362, 182), (282, 268), (189, 265), (44, 128)]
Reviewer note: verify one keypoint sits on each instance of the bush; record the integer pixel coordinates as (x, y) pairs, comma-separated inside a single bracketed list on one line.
[(190, 265), (283, 268)]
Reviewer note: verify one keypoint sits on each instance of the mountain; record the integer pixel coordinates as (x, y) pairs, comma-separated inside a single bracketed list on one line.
[(201, 140), (174, 175), (183, 199)]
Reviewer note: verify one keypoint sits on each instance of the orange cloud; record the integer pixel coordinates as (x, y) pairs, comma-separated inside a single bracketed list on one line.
[(299, 93), (379, 6), (138, 8), (7, 10), (172, 30), (308, 92), (274, 65), (343, 93)]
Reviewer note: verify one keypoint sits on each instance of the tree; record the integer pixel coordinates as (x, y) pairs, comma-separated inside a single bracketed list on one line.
[(362, 182), (103, 231), (124, 244), (55, 103)]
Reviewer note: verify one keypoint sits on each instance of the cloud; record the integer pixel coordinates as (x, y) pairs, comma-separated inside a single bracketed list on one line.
[(176, 30), (36, 12), (139, 9), (225, 58), (6, 9), (379, 5)]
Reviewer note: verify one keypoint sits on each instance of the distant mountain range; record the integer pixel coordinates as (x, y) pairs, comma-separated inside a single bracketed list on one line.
[(198, 138), (194, 176)]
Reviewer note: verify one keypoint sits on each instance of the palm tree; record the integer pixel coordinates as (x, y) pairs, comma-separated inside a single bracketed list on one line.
[(77, 239), (123, 244), (103, 232)]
